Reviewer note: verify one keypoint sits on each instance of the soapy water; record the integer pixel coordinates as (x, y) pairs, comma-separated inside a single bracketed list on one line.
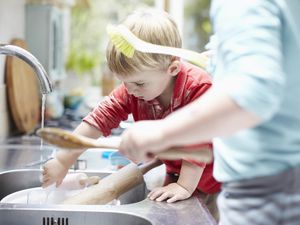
[(41, 196), (52, 194), (38, 195)]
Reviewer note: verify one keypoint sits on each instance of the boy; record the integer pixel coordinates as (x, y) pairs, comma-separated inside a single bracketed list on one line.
[(152, 87)]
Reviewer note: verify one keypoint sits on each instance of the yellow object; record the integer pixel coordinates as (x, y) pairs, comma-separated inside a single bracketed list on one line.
[(126, 42)]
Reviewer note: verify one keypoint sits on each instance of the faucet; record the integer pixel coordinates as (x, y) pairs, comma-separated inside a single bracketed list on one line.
[(12, 50)]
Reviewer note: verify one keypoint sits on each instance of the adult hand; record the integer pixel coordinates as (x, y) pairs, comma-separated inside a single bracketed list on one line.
[(172, 192), (142, 138)]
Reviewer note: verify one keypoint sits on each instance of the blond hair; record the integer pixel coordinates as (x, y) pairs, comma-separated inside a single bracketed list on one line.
[(150, 25)]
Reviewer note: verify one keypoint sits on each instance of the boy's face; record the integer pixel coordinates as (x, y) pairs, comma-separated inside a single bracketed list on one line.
[(148, 85)]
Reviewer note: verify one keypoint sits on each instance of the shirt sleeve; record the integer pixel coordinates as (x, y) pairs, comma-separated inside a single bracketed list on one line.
[(111, 111), (249, 54)]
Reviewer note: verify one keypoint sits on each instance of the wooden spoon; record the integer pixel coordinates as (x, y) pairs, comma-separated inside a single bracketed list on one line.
[(68, 140)]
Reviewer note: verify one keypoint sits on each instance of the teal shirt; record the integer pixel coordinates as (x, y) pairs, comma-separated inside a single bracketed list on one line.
[(257, 46)]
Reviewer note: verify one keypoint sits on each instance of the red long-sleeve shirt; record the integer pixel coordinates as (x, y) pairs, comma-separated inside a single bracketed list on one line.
[(191, 82)]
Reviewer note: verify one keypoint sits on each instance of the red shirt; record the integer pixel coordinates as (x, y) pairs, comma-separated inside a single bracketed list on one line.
[(191, 82)]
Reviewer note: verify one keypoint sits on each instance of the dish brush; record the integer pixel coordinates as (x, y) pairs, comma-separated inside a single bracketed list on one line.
[(126, 42)]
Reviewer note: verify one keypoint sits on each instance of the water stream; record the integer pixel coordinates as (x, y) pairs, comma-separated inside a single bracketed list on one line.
[(43, 106)]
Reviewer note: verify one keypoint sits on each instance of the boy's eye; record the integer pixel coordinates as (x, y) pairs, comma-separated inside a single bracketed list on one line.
[(140, 84)]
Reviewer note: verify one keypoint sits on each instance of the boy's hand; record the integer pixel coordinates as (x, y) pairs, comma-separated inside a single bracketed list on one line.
[(173, 192), (54, 171)]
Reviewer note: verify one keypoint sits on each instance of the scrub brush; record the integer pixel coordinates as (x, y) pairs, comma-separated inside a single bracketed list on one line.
[(126, 42)]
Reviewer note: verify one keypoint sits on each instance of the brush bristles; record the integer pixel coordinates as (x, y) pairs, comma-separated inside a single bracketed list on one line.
[(119, 42)]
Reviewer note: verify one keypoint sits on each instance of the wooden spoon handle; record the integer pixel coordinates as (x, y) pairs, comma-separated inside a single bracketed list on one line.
[(201, 154), (69, 140)]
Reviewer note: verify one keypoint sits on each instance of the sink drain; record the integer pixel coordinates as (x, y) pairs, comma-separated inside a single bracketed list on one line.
[(57, 221)]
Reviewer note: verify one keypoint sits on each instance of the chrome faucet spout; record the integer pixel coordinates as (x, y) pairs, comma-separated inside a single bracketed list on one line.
[(12, 50)]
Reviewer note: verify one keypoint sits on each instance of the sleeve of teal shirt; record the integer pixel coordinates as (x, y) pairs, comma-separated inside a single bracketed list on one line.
[(249, 53)]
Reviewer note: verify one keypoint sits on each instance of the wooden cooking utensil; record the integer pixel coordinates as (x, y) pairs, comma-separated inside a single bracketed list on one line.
[(68, 140), (112, 186)]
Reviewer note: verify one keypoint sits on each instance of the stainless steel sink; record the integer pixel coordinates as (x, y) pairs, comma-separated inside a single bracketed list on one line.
[(15, 180), (135, 208)]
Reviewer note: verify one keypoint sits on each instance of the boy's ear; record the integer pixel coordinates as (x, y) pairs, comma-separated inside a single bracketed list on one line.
[(174, 68)]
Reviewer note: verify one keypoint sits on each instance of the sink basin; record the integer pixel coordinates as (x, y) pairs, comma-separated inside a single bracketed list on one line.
[(16, 180)]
